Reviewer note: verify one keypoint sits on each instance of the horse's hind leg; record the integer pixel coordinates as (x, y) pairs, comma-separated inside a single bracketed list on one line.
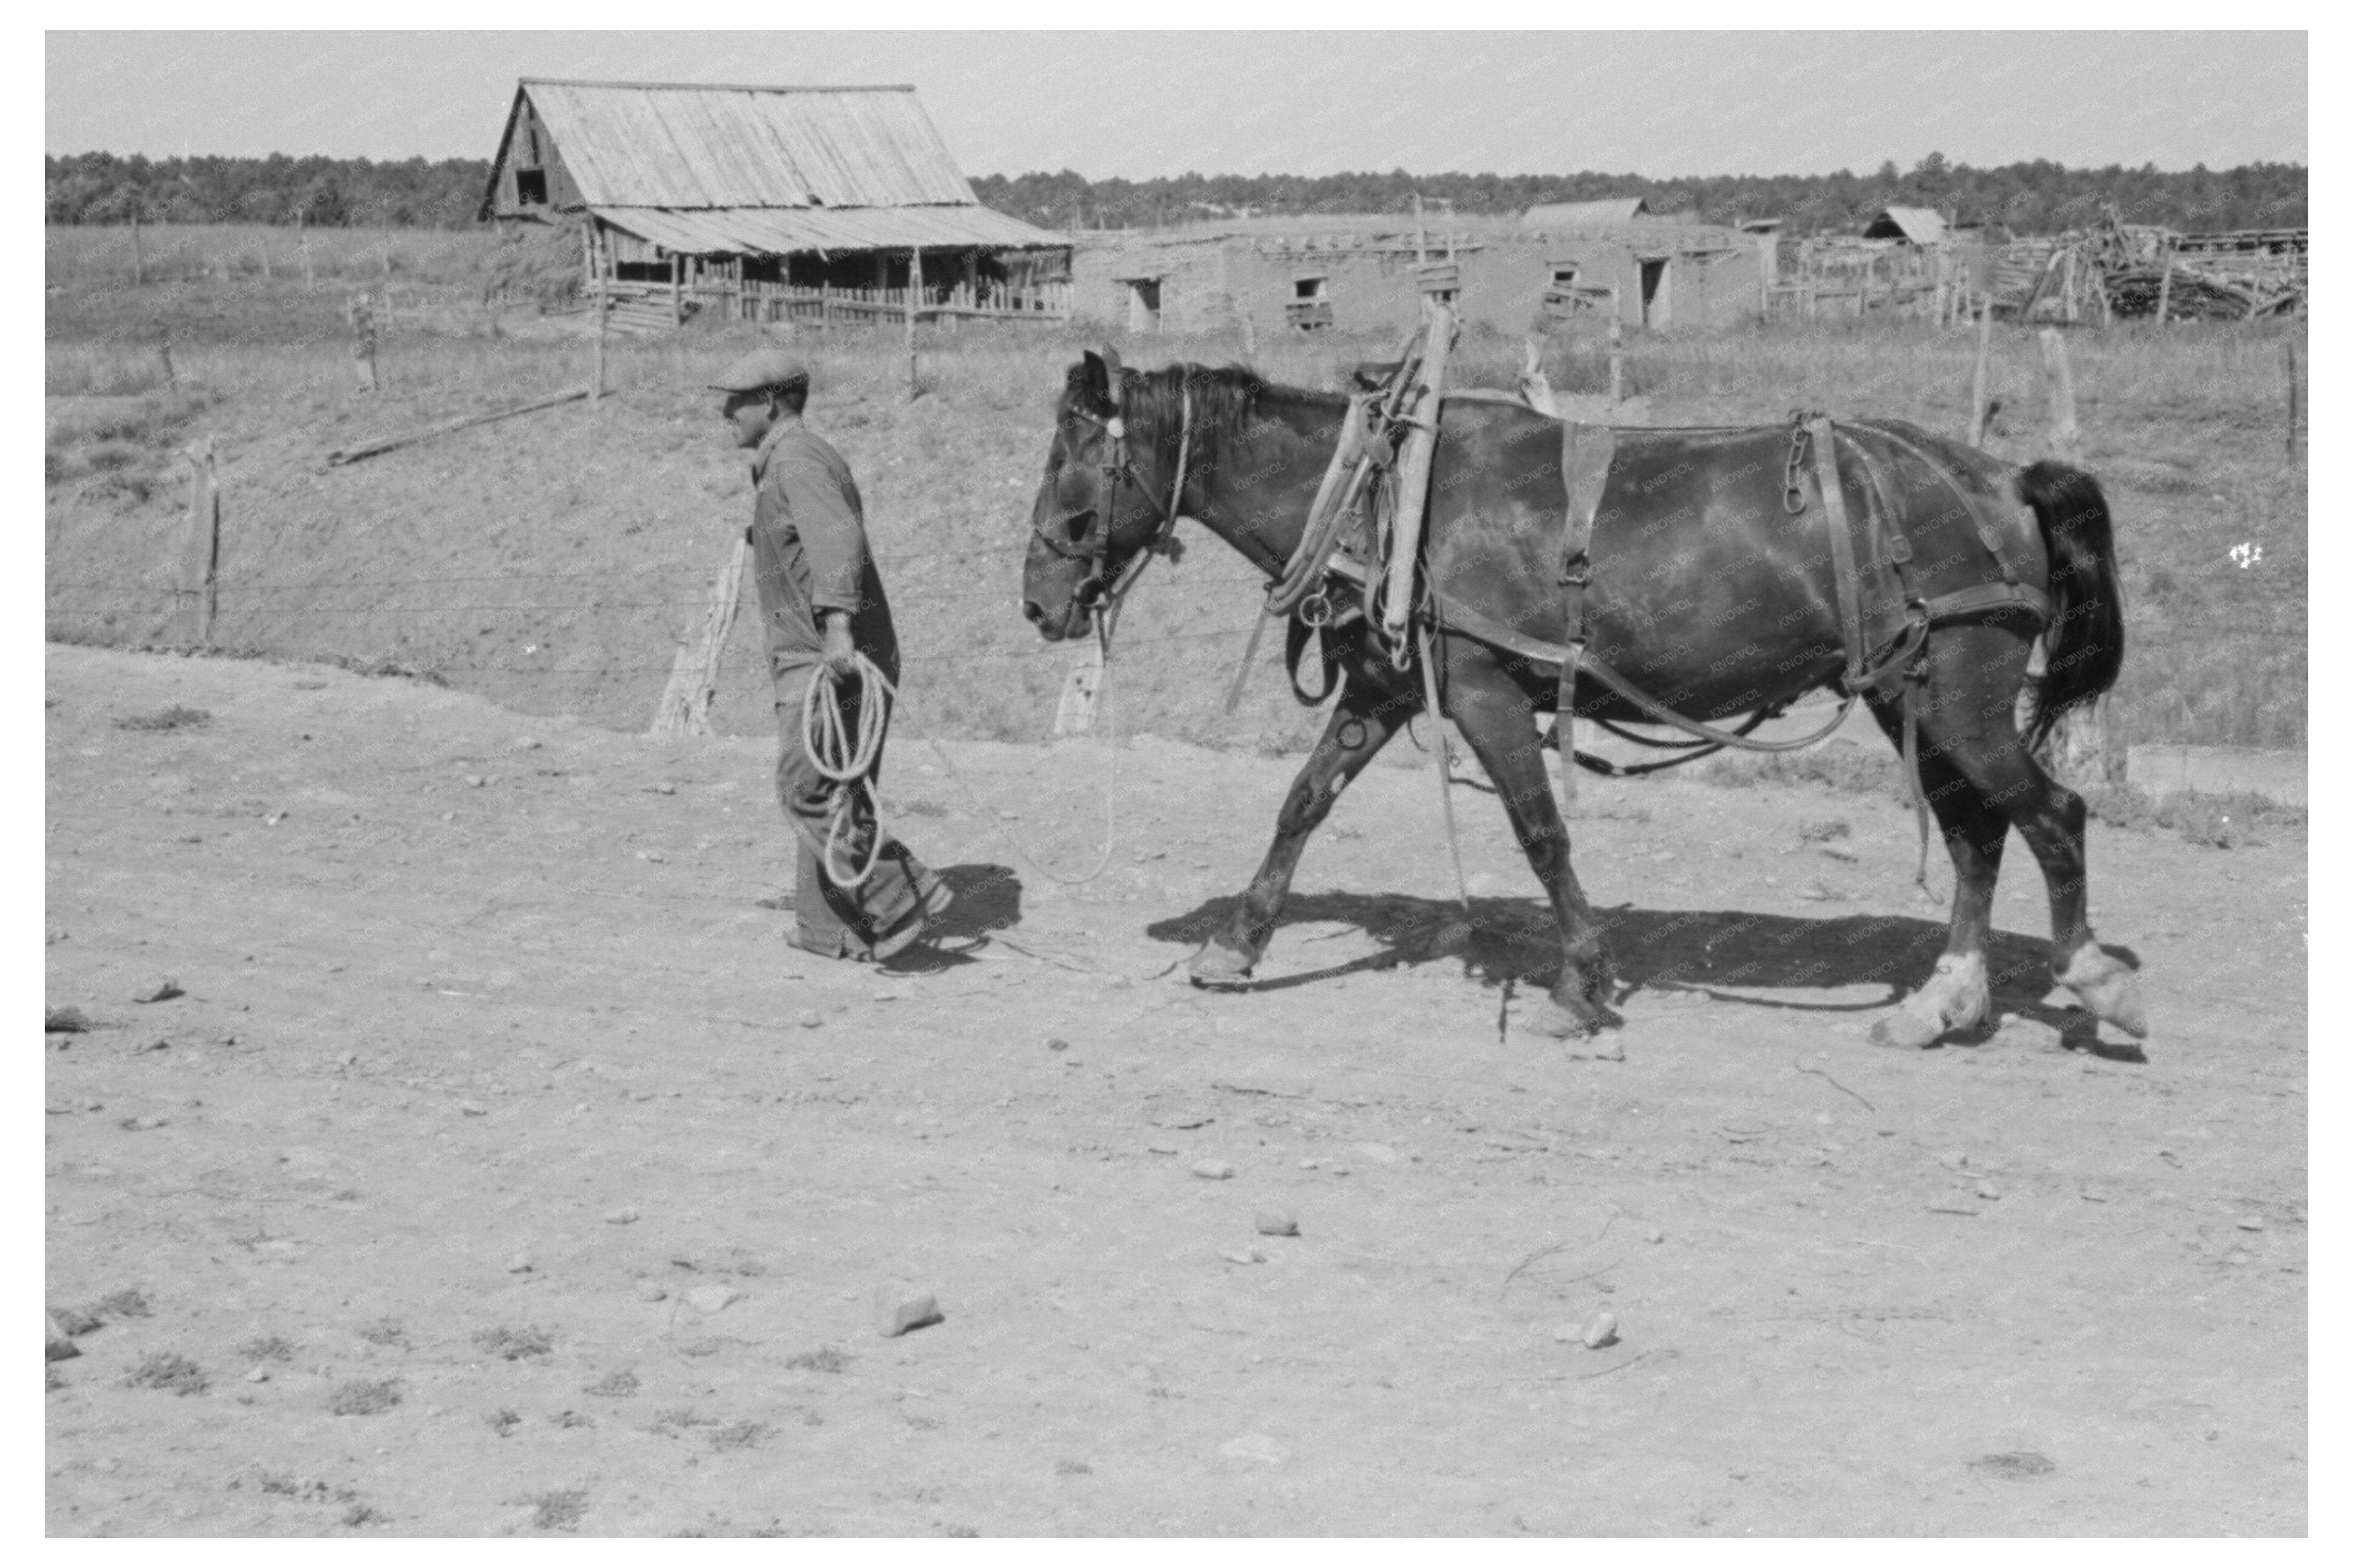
[(1970, 727), (1362, 722), (1958, 994)]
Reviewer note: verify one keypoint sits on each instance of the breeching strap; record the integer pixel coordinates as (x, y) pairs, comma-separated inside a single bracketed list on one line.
[(1437, 756)]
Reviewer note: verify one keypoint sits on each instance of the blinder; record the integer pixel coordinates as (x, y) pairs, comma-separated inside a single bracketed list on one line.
[(1101, 588)]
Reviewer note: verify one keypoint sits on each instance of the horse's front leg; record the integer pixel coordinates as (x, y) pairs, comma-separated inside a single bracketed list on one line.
[(1498, 719), (1362, 722)]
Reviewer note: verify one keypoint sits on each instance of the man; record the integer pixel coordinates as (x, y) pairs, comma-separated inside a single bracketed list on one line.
[(821, 605)]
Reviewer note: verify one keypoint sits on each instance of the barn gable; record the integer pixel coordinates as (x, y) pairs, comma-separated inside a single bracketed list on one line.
[(765, 201)]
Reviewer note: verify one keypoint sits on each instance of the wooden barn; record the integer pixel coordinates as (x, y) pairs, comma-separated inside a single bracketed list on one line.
[(1357, 274), (815, 204)]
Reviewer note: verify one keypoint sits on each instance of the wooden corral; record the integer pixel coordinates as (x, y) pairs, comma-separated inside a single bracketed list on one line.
[(2115, 269), (1908, 262), (817, 205), (1357, 274)]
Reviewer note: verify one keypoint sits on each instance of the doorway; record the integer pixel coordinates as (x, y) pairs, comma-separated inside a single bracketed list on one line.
[(1658, 294), (1143, 304)]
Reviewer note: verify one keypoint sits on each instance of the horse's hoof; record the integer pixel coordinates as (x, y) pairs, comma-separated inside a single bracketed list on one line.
[(2109, 989), (1907, 1030), (1220, 968), (1548, 1016), (1956, 998)]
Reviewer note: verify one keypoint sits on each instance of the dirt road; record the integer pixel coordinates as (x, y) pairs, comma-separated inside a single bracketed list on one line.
[(497, 1114)]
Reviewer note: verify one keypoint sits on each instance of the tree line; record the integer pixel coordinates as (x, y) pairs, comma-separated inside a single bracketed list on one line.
[(2037, 197), (329, 193), (2032, 198)]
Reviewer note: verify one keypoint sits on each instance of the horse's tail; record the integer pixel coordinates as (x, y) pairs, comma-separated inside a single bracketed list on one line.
[(2084, 643)]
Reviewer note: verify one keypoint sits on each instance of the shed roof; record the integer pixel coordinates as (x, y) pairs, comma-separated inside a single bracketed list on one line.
[(1921, 225), (636, 145), (782, 231), (1572, 214)]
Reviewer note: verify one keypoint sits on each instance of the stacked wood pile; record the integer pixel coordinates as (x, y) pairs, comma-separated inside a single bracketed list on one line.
[(2116, 269)]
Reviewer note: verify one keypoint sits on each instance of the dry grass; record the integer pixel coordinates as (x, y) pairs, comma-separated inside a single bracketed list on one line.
[(169, 1371), (515, 1344), (365, 1397), (559, 1510), (568, 550)]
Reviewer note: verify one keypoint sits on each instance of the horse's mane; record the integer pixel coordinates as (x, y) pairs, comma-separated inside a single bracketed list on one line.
[(1225, 400)]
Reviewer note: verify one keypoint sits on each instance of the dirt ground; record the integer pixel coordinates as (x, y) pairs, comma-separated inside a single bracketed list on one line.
[(491, 1067)]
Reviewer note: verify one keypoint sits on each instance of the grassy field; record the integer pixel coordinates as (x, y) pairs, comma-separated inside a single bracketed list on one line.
[(551, 561)]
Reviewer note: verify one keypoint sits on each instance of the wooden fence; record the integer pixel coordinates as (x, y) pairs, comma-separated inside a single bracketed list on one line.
[(652, 307)]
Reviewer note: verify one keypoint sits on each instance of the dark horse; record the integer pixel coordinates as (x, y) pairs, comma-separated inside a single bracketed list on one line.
[(1711, 588)]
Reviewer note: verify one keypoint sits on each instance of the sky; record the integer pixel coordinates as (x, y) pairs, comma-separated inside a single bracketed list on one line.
[(1137, 105)]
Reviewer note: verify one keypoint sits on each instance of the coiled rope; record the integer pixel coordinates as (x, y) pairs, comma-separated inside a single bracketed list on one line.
[(846, 757)]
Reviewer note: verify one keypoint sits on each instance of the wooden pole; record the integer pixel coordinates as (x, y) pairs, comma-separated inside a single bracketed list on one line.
[(196, 590), (1617, 351), (361, 311), (604, 316), (685, 705), (164, 353), (2165, 288), (914, 294), (302, 231), (2294, 399), (138, 252), (1421, 240), (264, 256), (677, 290), (1977, 381), (410, 437), (2066, 434)]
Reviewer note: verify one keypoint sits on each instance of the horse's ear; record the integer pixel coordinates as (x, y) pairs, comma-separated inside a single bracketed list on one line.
[(1097, 379), (1110, 377)]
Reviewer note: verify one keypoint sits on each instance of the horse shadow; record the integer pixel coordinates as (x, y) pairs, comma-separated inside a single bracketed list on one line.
[(1725, 954)]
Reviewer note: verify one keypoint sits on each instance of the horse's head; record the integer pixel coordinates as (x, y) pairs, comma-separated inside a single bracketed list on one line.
[(1100, 506)]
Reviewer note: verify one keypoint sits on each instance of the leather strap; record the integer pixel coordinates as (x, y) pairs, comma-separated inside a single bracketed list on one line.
[(1841, 532)]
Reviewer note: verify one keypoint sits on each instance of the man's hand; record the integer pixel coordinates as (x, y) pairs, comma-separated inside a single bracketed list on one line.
[(840, 653)]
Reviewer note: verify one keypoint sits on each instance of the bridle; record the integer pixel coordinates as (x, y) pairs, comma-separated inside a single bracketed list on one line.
[(1099, 590)]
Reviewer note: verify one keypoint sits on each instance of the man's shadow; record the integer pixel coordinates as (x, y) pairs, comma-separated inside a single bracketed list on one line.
[(987, 898), (1721, 953)]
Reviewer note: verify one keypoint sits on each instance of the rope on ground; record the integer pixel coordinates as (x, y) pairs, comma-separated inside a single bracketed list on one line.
[(1111, 792)]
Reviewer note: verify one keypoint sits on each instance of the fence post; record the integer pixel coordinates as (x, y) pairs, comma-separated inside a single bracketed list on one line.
[(2165, 288), (1977, 381), (2294, 400), (915, 292), (163, 352), (685, 705), (138, 254), (2066, 434), (302, 231), (677, 290), (1617, 352), (196, 593), (361, 311)]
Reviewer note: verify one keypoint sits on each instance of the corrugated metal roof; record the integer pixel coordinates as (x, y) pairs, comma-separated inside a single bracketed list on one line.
[(687, 147), (779, 231), (1921, 225), (1572, 214)]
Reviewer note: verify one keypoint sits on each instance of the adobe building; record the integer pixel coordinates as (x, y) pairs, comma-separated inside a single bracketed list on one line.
[(1356, 274)]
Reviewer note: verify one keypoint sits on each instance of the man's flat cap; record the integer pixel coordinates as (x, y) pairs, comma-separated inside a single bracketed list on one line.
[(760, 370)]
